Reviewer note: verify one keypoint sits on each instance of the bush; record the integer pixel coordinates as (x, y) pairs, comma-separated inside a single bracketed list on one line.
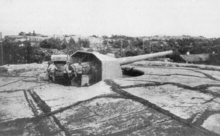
[(133, 52), (52, 44), (214, 59), (105, 51)]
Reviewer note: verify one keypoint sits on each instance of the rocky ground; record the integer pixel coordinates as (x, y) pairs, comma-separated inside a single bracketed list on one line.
[(168, 99)]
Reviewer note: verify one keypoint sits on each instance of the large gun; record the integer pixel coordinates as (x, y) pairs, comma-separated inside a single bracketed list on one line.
[(92, 67)]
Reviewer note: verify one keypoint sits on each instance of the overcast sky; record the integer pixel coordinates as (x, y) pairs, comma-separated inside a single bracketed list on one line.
[(107, 17)]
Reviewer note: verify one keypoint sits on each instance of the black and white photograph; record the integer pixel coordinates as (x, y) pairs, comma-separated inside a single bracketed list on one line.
[(109, 67)]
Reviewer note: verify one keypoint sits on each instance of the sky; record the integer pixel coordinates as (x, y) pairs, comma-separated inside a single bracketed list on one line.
[(111, 17)]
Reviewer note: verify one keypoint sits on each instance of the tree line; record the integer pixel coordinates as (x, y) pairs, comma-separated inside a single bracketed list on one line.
[(26, 52), (20, 52), (16, 52), (137, 46)]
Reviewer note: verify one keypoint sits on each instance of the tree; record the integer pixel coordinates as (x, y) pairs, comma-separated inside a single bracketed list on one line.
[(51, 43), (105, 37), (105, 42), (28, 51), (64, 44), (19, 52), (105, 51), (116, 44), (138, 43), (71, 42), (34, 34), (45, 44), (94, 36), (22, 33), (84, 43), (73, 46), (133, 52)]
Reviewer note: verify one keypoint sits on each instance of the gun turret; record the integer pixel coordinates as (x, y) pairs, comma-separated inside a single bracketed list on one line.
[(95, 67)]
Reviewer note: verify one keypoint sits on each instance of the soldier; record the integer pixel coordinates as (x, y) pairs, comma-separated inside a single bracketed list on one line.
[(66, 69), (48, 65), (77, 72), (52, 67), (51, 70)]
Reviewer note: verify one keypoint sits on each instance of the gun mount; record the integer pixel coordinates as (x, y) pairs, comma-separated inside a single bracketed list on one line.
[(91, 67)]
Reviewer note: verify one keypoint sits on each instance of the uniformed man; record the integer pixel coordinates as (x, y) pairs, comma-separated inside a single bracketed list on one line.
[(77, 72), (51, 70), (66, 69), (48, 65)]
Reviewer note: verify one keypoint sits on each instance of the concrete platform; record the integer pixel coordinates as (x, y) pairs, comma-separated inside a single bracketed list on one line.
[(190, 94), (58, 96), (116, 116), (166, 100)]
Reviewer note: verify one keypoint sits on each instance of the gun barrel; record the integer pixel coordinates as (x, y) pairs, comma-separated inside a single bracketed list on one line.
[(127, 60)]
